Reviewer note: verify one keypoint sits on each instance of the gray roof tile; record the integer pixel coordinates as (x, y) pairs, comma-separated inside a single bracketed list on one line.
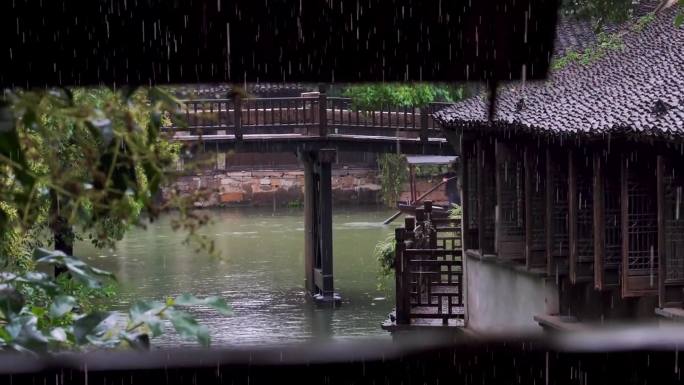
[(638, 89)]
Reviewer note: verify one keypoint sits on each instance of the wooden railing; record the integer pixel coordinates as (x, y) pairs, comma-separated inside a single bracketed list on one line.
[(429, 270), (302, 116)]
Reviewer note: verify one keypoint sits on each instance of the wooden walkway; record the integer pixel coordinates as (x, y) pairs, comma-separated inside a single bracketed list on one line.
[(292, 123)]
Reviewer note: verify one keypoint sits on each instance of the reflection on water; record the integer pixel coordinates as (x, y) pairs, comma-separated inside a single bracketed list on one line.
[(260, 272)]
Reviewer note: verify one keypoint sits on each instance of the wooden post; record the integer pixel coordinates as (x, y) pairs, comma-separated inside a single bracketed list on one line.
[(624, 207), (548, 218), (400, 289), (599, 200), (237, 116), (412, 183), (465, 207), (572, 216), (479, 163), (424, 125), (310, 244), (662, 258), (322, 110), (325, 215), (528, 163)]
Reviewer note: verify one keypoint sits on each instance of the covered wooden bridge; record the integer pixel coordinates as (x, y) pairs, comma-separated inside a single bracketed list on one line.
[(578, 181)]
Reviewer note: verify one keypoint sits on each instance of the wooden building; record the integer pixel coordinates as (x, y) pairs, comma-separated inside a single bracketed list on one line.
[(578, 180)]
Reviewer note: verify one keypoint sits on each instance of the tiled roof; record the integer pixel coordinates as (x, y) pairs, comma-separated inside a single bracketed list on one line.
[(638, 89)]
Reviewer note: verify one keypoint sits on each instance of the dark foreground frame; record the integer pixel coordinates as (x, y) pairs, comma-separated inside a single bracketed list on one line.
[(647, 354)]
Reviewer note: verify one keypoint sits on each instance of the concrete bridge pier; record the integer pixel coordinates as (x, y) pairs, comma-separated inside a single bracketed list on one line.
[(318, 254)]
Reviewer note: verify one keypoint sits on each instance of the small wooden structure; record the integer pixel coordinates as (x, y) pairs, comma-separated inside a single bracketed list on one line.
[(429, 272), (587, 190)]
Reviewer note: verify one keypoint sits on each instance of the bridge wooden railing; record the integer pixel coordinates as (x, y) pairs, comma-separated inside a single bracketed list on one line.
[(429, 271), (302, 116)]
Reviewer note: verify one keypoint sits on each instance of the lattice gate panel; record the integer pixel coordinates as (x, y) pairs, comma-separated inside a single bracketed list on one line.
[(511, 201), (436, 286), (557, 197), (673, 237), (640, 229)]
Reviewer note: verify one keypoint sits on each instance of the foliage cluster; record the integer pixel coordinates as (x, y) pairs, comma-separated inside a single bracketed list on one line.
[(60, 323), (600, 12), (92, 160), (393, 174), (373, 96), (384, 253), (605, 44)]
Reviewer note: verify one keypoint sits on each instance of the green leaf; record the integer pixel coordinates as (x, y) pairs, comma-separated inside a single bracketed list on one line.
[(25, 334), (219, 304), (80, 270), (38, 311), (58, 334), (61, 305), (188, 327), (41, 280), (138, 341), (679, 19), (147, 312), (216, 303), (90, 324)]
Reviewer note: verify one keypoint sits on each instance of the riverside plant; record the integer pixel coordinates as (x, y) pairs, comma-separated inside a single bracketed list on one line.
[(59, 322)]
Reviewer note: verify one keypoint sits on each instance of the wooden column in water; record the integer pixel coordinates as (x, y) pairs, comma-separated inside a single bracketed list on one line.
[(318, 244), (323, 274), (309, 221)]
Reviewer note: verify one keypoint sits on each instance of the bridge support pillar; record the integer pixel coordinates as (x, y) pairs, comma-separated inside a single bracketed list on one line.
[(318, 247)]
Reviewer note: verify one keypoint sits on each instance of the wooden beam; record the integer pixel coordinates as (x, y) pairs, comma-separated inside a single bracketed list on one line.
[(599, 219), (572, 216)]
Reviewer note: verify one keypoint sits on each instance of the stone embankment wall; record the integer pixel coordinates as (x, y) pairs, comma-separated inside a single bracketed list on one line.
[(283, 188), (277, 187)]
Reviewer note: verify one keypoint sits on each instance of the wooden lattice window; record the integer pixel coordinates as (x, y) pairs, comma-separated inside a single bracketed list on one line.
[(511, 201), (672, 252), (581, 213), (639, 225), (607, 220)]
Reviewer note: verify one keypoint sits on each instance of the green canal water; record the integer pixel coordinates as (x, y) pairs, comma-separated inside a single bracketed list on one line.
[(260, 272)]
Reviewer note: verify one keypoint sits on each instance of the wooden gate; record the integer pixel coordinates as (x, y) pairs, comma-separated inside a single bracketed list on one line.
[(429, 272)]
